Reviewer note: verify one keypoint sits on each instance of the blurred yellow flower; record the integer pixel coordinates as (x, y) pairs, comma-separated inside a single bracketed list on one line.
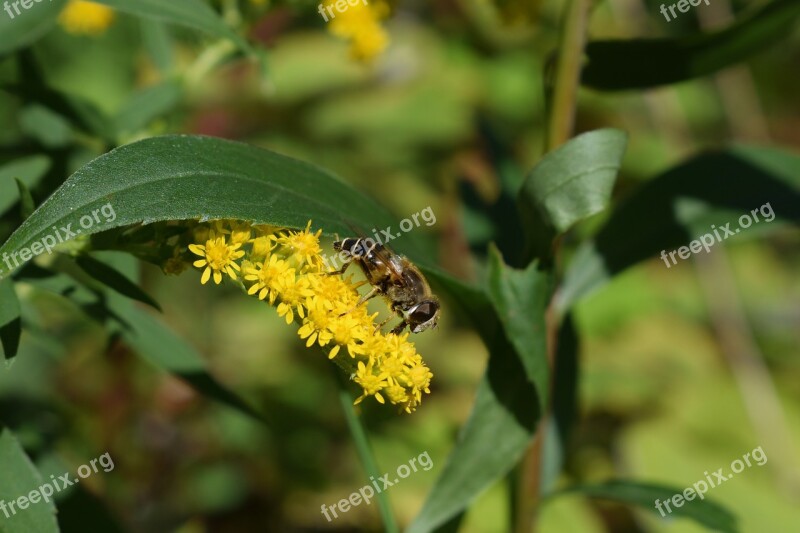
[(285, 268), (86, 18), (360, 24)]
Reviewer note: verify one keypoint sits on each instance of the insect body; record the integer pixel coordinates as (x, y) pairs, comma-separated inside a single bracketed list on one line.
[(396, 278)]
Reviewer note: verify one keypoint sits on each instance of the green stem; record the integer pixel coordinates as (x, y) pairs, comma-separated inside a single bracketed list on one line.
[(564, 91), (207, 61), (366, 456), (562, 95)]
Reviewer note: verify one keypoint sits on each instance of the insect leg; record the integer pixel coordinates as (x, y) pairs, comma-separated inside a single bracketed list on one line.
[(380, 326), (371, 294), (399, 328), (340, 271)]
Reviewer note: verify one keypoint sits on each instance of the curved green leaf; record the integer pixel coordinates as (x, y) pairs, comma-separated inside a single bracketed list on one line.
[(20, 477), (192, 13), (113, 279), (569, 184), (10, 322), (26, 203), (29, 170), (158, 42), (520, 298), (564, 406), (681, 205), (145, 106), (20, 30), (507, 402), (179, 177), (645, 495), (642, 63), (149, 337)]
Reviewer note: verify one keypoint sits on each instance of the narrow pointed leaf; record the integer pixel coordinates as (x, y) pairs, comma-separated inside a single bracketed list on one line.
[(29, 170), (10, 322), (27, 205), (643, 63), (29, 25), (19, 478), (507, 403), (520, 298), (191, 13), (115, 280), (703, 511)]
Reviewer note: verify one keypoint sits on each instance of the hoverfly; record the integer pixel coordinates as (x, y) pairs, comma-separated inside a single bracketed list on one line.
[(394, 277)]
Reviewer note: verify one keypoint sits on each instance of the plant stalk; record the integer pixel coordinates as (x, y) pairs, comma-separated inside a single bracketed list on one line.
[(365, 454), (562, 96), (564, 91)]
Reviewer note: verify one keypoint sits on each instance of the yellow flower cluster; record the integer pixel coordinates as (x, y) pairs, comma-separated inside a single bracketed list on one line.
[(360, 24), (285, 268), (86, 18)]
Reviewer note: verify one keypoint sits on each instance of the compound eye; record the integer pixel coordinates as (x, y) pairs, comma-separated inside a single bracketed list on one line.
[(424, 312)]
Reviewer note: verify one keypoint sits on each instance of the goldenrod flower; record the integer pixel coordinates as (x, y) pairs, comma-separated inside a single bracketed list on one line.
[(219, 257), (371, 382), (303, 246), (360, 24), (294, 294), (86, 18), (267, 276), (285, 269)]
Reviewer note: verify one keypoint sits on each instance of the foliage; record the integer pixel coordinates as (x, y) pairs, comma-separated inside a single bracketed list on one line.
[(114, 174)]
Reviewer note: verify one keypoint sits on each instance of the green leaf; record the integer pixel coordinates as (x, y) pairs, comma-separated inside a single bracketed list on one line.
[(54, 105), (149, 337), (702, 511), (29, 25), (190, 13), (46, 126), (159, 44), (20, 477), (681, 205), (29, 170), (574, 181), (503, 419), (519, 298), (10, 323), (157, 344), (115, 280), (179, 177), (365, 454), (564, 404), (642, 63), (27, 206), (146, 105)]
